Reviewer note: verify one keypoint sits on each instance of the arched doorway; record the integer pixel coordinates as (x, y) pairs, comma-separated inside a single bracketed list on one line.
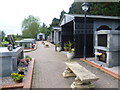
[(40, 37), (103, 27)]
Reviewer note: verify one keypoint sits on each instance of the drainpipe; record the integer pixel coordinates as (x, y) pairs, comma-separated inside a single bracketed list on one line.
[(74, 33)]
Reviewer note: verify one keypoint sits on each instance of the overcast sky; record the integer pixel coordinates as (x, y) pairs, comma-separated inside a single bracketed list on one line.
[(13, 12)]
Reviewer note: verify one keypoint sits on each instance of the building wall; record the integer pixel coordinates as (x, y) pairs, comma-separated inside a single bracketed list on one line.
[(74, 31), (56, 36), (113, 24), (52, 37), (43, 35), (67, 34), (79, 37), (25, 44)]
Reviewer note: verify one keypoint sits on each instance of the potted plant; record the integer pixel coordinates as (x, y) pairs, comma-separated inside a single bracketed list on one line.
[(33, 45), (46, 45), (28, 58), (21, 70), (70, 53), (43, 43), (17, 77), (58, 47), (23, 63), (65, 47)]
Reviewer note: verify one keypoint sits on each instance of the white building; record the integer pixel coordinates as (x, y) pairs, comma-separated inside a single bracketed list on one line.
[(26, 43), (40, 36), (55, 36)]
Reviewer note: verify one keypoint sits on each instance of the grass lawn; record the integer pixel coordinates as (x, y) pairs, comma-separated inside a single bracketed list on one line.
[(5, 42), (2, 43)]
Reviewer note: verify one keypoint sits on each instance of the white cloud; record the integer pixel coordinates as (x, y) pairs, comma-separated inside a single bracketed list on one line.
[(13, 12)]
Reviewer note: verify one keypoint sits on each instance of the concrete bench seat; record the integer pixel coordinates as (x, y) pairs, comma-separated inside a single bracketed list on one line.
[(84, 78)]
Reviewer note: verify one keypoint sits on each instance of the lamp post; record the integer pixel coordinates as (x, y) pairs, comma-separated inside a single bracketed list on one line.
[(85, 7)]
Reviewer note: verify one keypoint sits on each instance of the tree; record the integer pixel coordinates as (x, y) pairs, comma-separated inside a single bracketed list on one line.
[(97, 8), (105, 8), (44, 29), (2, 35), (61, 15), (18, 37), (55, 23), (30, 27), (75, 8)]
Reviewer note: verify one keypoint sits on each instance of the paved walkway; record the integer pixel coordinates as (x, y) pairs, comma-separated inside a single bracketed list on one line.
[(49, 66)]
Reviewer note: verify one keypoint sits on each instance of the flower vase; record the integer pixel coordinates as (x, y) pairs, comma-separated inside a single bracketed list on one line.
[(58, 49), (70, 55)]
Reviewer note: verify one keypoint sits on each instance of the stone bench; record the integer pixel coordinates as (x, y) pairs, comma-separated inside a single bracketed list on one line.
[(84, 78)]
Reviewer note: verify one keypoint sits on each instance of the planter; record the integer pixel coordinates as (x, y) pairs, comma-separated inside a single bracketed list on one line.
[(43, 43), (70, 55), (46, 46), (58, 49), (65, 49), (19, 81), (27, 61)]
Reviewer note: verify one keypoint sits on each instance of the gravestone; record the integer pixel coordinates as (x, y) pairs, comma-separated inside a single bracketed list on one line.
[(26, 43), (8, 60), (108, 44)]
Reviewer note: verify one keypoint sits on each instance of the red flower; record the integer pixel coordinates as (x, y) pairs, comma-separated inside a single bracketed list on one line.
[(22, 60)]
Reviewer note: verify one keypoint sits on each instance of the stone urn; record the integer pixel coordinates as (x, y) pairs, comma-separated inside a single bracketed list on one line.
[(58, 49), (70, 55)]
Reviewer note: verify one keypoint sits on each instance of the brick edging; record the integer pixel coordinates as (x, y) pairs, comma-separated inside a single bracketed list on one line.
[(28, 81), (10, 86), (102, 69)]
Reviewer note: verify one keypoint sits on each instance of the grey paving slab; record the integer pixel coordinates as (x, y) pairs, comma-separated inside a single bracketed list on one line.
[(105, 80), (49, 66)]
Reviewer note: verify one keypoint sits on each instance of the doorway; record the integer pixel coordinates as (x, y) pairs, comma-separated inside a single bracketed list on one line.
[(40, 37)]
